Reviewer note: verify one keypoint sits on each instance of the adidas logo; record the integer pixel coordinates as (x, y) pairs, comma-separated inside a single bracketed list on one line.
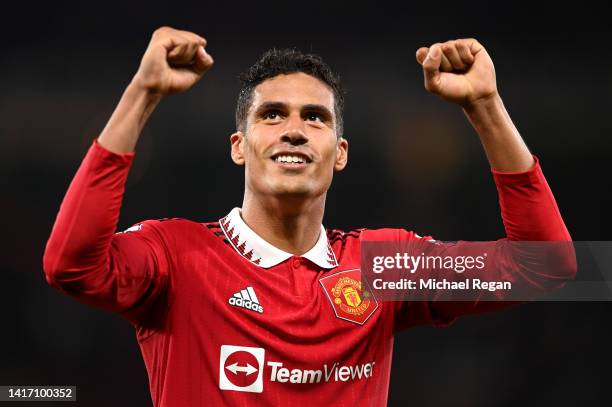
[(246, 299)]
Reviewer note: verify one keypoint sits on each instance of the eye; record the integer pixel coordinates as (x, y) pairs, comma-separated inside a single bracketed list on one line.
[(271, 115), (313, 116)]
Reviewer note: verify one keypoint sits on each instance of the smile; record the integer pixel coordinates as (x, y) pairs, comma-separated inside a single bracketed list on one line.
[(292, 160), (289, 159)]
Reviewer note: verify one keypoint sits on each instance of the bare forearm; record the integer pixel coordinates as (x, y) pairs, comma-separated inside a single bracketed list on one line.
[(125, 125), (503, 144)]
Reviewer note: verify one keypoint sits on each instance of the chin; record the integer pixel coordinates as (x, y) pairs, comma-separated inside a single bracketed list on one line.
[(294, 187), (293, 190)]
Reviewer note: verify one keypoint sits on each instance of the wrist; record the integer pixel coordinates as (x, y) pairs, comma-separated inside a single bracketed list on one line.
[(139, 89), (142, 100), (487, 112), (482, 104)]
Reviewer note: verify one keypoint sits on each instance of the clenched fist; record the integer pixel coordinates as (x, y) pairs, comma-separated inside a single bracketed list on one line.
[(459, 71), (173, 62)]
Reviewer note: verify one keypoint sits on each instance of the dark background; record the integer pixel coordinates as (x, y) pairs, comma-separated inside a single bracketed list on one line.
[(414, 162)]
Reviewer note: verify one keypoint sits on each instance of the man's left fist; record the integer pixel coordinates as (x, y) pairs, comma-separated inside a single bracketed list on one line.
[(460, 71)]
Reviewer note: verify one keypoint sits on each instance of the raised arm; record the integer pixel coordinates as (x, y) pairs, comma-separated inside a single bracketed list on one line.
[(462, 72), (84, 257), (173, 62)]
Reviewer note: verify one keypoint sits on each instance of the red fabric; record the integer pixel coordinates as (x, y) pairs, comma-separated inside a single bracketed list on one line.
[(173, 278)]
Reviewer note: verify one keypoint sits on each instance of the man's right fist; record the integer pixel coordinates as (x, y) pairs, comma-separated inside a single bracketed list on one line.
[(173, 62)]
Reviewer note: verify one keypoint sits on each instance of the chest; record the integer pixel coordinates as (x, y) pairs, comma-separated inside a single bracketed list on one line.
[(294, 305)]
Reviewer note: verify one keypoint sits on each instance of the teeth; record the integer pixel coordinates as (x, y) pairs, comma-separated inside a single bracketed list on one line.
[(289, 159)]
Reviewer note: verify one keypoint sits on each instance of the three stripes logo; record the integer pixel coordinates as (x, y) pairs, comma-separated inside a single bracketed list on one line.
[(246, 298)]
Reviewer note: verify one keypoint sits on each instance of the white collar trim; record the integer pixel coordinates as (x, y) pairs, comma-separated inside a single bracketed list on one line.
[(258, 251)]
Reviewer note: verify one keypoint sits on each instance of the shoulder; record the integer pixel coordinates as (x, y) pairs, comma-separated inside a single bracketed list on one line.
[(391, 234), (175, 232), (335, 235), (172, 226)]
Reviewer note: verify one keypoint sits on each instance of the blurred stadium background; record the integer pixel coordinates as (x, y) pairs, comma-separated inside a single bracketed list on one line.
[(414, 162)]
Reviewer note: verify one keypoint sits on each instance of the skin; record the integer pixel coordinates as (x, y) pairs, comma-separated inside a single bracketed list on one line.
[(462, 72), (284, 203), (173, 62), (290, 114)]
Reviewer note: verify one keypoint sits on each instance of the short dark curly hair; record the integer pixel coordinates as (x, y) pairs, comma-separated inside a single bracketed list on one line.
[(276, 62)]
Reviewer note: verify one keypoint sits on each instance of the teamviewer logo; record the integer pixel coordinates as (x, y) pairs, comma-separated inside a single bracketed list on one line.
[(241, 368)]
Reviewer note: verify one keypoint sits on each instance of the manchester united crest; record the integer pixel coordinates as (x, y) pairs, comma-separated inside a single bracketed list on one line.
[(351, 298)]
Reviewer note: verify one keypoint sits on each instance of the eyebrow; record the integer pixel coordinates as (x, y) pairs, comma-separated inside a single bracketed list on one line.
[(324, 111), (270, 106), (283, 106)]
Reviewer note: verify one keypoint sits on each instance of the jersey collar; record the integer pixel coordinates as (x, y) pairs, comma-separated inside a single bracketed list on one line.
[(258, 251)]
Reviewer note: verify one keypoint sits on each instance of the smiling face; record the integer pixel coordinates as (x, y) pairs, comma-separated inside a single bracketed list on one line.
[(290, 146)]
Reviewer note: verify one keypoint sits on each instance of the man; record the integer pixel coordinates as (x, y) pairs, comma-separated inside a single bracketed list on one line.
[(265, 306)]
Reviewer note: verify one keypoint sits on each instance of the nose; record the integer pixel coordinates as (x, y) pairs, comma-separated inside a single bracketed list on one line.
[(294, 133), (294, 137)]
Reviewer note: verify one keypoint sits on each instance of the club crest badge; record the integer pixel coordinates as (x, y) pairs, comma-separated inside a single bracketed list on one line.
[(350, 297)]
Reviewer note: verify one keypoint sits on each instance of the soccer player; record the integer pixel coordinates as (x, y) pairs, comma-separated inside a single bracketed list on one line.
[(264, 306)]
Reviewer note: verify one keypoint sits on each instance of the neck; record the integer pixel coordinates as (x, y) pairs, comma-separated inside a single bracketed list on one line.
[(290, 223)]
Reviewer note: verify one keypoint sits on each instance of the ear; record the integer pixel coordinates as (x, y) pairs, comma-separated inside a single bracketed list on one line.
[(237, 141), (341, 154)]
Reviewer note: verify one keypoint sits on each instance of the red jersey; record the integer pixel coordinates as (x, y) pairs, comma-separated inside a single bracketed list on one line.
[(222, 317)]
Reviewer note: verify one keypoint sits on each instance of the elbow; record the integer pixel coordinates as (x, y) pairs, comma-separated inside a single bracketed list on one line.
[(546, 266), (50, 266), (58, 267), (562, 266), (70, 272), (564, 255), (569, 264)]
